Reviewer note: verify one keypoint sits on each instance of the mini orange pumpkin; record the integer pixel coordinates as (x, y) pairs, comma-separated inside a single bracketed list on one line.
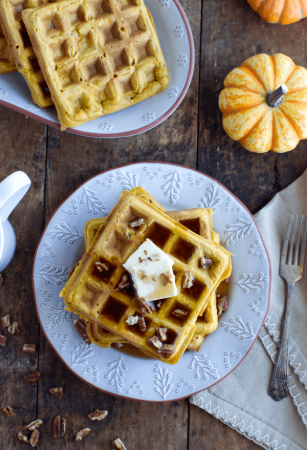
[(264, 104), (280, 11)]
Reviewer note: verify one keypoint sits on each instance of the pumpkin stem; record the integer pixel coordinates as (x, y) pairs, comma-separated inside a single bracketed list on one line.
[(275, 98)]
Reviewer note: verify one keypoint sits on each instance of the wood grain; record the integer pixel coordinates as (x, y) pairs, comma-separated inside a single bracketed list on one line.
[(22, 147)]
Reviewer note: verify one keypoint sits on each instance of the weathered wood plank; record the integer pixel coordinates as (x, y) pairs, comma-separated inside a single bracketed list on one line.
[(22, 147)]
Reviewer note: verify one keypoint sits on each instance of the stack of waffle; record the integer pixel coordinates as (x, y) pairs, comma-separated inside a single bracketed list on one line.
[(100, 291), (87, 57)]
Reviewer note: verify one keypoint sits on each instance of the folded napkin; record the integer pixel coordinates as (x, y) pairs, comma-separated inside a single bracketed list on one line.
[(241, 400)]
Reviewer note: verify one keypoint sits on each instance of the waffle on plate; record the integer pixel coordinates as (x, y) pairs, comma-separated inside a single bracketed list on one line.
[(97, 56), (94, 295), (7, 63)]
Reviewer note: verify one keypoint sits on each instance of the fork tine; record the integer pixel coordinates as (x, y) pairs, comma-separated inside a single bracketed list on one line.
[(290, 254), (297, 243), (303, 246), (285, 246)]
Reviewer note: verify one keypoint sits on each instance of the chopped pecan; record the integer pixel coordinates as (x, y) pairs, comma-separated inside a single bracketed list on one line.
[(142, 324), (34, 438), (205, 262), (132, 320), (32, 378), (188, 279), (124, 282), (80, 435), (1, 280), (180, 313), (80, 326), (56, 431), (13, 328), (154, 278), (166, 350), (2, 340), (101, 266), (146, 307), (137, 223), (29, 348), (155, 341), (146, 252), (63, 426), (33, 425), (8, 411), (221, 304), (162, 334), (98, 415), (119, 445), (142, 274), (166, 278), (22, 437), (5, 321), (58, 391), (226, 280), (117, 345), (159, 304)]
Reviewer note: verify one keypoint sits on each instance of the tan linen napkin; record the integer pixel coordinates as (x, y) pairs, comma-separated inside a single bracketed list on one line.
[(241, 400)]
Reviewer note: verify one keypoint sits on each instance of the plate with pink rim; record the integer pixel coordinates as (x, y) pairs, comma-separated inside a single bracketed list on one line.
[(131, 375), (177, 44)]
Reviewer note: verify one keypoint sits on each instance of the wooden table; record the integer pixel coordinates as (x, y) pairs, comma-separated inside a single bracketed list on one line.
[(226, 32)]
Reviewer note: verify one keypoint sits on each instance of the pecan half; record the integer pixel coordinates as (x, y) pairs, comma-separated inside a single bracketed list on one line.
[(162, 334), (81, 328), (155, 341), (101, 266), (22, 437), (205, 263), (119, 445), (117, 345), (32, 378), (221, 304), (188, 279), (33, 425), (146, 307), (56, 431), (34, 438), (142, 324), (166, 350), (124, 282), (13, 328), (8, 411), (2, 340), (58, 391), (80, 435), (29, 348), (63, 426), (166, 278), (137, 223), (5, 320), (98, 415), (180, 313), (132, 320)]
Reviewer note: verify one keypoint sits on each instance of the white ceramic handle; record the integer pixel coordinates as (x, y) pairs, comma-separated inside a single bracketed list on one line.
[(12, 189)]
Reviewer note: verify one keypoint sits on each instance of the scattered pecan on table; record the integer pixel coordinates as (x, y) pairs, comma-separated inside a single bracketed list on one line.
[(22, 437), (5, 321), (32, 378), (80, 435), (13, 328), (29, 348), (119, 445), (34, 438), (2, 340), (8, 411), (58, 391), (63, 426), (56, 430), (33, 425), (98, 415)]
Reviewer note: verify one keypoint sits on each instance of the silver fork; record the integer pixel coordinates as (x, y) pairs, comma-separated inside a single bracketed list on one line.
[(291, 270)]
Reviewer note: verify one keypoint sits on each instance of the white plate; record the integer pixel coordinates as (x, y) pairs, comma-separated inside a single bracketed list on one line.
[(115, 372), (177, 44)]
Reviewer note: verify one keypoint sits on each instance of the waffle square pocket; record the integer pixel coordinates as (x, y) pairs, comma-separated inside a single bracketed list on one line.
[(97, 56)]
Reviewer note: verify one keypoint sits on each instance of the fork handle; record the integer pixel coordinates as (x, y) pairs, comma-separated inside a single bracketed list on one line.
[(278, 388)]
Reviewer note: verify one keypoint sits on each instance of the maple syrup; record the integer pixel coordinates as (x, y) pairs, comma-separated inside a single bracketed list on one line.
[(179, 320), (183, 250), (113, 309), (102, 274), (192, 224), (195, 291), (136, 328), (158, 234)]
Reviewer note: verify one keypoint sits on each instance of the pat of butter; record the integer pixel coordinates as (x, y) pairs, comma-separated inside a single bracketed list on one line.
[(152, 272)]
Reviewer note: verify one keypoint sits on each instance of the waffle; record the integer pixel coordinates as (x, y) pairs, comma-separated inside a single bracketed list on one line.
[(23, 52), (97, 56), (7, 63), (94, 295)]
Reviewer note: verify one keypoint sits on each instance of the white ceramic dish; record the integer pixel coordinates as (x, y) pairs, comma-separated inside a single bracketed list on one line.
[(177, 44), (118, 373)]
